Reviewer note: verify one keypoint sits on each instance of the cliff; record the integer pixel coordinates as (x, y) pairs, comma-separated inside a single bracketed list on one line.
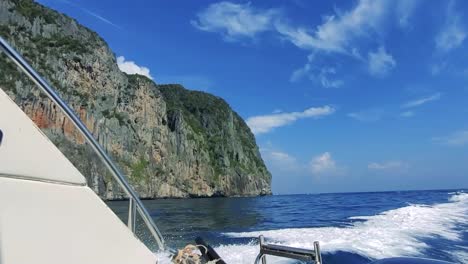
[(169, 141)]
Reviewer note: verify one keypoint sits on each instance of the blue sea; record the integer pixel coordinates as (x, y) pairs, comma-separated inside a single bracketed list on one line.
[(351, 227)]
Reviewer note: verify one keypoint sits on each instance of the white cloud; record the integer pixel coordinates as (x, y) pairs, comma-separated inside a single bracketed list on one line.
[(280, 160), (326, 80), (453, 33), (335, 34), (458, 138), (322, 75), (371, 115), (407, 114), (451, 37), (422, 101), (323, 163), (337, 31), (281, 156), (342, 32), (389, 165), (130, 67), (234, 21), (300, 37), (265, 123), (380, 62), (304, 71), (404, 9)]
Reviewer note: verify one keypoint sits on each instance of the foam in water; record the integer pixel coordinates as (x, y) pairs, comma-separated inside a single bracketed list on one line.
[(460, 255), (398, 232), (163, 257)]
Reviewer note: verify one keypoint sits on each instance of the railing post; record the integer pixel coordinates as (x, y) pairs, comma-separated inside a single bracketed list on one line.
[(131, 215), (318, 254), (262, 241)]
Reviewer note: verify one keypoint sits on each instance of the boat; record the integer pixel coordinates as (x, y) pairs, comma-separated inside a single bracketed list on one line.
[(48, 213)]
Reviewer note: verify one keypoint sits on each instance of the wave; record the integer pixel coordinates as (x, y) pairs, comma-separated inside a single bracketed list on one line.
[(460, 255), (398, 232)]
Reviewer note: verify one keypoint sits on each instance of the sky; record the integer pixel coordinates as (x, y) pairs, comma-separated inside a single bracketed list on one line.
[(342, 96)]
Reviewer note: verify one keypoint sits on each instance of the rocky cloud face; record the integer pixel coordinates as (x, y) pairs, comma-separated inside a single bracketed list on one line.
[(169, 141)]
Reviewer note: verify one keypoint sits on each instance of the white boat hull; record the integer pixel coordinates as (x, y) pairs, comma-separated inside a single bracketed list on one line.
[(47, 212)]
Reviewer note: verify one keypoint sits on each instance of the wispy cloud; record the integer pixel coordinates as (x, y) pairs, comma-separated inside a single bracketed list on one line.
[(370, 115), (458, 138), (323, 75), (389, 165), (404, 10), (320, 165), (235, 21), (453, 32), (91, 13), (323, 164), (103, 19), (335, 34), (407, 114), (303, 72), (403, 111), (339, 33), (380, 62), (130, 67), (266, 123), (422, 101), (280, 160)]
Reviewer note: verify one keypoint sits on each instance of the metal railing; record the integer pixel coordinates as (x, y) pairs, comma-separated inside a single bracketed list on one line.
[(135, 204), (307, 255)]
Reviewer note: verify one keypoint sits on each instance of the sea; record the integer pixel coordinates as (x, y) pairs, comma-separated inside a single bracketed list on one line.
[(351, 227)]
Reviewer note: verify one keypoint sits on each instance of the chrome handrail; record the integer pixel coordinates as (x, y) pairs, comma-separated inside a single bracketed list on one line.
[(307, 255), (116, 173)]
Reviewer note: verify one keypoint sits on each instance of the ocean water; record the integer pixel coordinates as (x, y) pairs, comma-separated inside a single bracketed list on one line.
[(351, 227)]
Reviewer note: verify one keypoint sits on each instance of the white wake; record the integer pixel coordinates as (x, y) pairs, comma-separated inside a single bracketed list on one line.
[(398, 232)]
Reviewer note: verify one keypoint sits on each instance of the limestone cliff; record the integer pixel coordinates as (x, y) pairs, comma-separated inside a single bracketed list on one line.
[(169, 141)]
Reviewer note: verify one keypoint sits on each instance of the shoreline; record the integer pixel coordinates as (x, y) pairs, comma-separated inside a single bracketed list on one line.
[(189, 197), (272, 194)]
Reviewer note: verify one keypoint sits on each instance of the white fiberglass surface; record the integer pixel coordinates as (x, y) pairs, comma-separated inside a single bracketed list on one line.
[(26, 152), (52, 223)]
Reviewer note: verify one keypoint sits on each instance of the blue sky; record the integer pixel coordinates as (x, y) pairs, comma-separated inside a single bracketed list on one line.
[(341, 95)]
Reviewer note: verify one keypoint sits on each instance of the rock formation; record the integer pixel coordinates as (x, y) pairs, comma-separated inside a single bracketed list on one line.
[(169, 141)]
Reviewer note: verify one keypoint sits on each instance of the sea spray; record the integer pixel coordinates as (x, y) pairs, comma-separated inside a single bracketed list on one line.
[(398, 232)]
